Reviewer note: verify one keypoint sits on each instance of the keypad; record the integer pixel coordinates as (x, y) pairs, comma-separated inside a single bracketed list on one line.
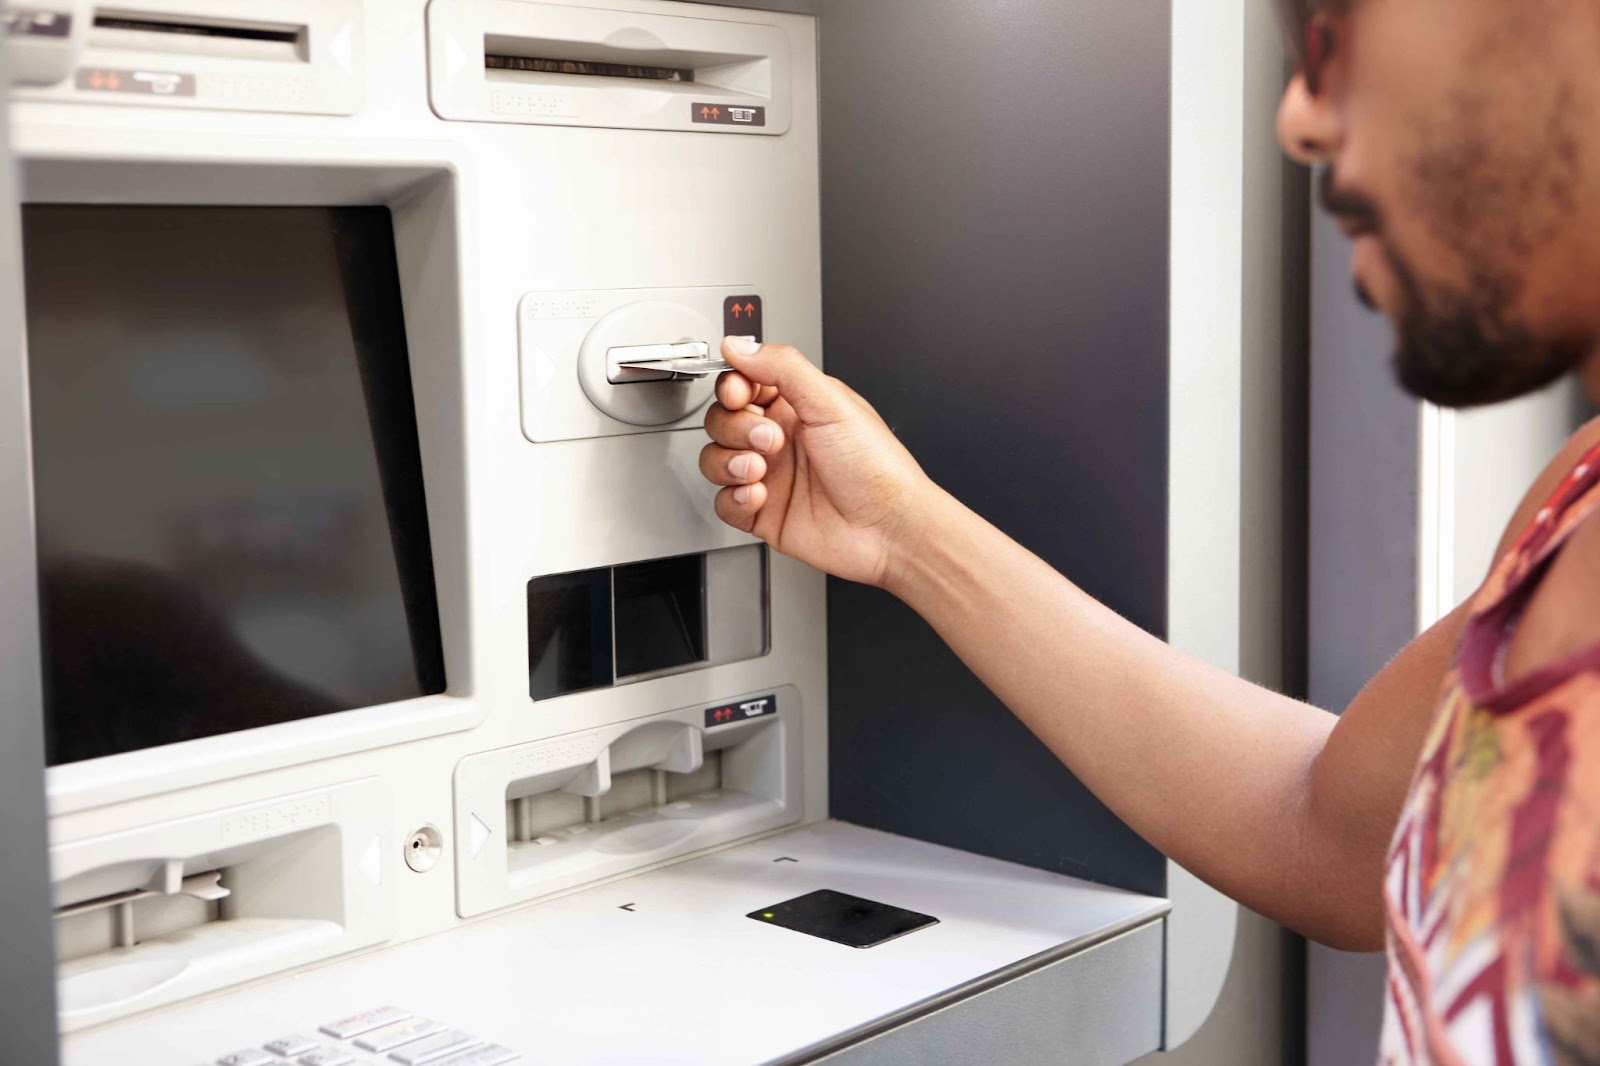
[(388, 1036)]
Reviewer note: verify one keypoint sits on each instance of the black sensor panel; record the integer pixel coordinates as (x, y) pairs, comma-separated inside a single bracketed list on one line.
[(843, 919)]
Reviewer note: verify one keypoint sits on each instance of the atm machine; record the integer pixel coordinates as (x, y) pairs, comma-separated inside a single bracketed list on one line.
[(404, 700)]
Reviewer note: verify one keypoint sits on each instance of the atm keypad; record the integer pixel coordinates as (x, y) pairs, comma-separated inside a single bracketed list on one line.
[(384, 1035)]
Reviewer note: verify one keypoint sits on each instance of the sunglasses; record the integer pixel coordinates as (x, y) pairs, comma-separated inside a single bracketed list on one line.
[(1308, 28)]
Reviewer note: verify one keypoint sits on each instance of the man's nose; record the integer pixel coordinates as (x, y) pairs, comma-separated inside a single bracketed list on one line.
[(1308, 127)]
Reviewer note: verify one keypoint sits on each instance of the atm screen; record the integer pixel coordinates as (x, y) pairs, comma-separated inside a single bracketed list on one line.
[(232, 530)]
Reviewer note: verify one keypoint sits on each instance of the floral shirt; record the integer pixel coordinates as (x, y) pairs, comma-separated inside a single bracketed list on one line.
[(1493, 879)]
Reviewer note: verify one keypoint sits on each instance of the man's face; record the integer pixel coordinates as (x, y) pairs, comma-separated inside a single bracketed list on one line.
[(1460, 139)]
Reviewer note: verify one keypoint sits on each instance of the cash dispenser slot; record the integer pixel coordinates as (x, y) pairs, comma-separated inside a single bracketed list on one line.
[(550, 816), (144, 31), (185, 908)]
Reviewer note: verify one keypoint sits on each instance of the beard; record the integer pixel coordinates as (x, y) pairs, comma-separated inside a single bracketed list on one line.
[(1459, 345), (1462, 346)]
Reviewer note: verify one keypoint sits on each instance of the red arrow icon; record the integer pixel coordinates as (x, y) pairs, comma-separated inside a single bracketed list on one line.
[(737, 311), (749, 309), (705, 112), (716, 112)]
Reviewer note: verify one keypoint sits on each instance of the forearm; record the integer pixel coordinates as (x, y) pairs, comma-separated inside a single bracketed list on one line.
[(1214, 771)]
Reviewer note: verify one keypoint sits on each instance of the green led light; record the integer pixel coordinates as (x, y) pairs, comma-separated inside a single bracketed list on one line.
[(766, 915)]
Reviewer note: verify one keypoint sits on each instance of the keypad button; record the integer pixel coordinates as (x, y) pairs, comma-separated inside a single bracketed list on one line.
[(365, 1022), (248, 1057), (327, 1056), (392, 1036), (488, 1055), (291, 1045), (432, 1049)]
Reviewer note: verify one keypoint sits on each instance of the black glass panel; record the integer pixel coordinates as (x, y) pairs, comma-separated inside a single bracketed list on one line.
[(569, 633), (231, 520), (661, 614)]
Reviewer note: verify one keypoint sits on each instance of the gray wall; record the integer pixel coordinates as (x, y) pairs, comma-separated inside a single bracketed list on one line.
[(995, 246), (27, 975)]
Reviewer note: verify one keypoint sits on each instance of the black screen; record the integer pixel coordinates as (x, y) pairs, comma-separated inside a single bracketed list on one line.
[(660, 614), (232, 530), (569, 633)]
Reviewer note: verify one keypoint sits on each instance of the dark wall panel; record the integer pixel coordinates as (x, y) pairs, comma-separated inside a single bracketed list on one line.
[(995, 237), (1365, 470), (1364, 485)]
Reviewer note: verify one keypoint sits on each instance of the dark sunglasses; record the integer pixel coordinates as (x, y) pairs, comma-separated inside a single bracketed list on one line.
[(1308, 27)]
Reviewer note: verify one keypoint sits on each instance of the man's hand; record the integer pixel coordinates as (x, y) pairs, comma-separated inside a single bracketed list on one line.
[(808, 466)]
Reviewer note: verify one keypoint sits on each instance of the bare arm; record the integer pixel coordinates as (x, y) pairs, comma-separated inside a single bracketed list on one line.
[(1283, 806)]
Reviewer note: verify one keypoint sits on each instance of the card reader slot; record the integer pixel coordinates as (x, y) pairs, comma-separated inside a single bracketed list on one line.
[(140, 31)]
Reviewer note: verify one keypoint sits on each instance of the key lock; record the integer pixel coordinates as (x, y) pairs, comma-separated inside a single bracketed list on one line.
[(649, 331)]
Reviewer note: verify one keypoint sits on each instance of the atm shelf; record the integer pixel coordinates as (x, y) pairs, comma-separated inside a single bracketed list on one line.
[(664, 966)]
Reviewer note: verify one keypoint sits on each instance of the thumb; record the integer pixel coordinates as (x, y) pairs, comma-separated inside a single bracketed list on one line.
[(816, 399)]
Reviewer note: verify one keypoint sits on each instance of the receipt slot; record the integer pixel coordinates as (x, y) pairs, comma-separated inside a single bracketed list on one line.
[(574, 345)]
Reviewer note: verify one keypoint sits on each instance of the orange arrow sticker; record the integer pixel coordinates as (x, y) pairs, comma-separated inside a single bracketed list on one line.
[(741, 316)]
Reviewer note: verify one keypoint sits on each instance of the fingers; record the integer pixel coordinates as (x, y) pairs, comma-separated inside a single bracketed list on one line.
[(736, 392), (742, 431), (724, 466), (739, 506), (815, 397)]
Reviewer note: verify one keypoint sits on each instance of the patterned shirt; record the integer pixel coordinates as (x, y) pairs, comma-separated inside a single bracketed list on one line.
[(1493, 880)]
